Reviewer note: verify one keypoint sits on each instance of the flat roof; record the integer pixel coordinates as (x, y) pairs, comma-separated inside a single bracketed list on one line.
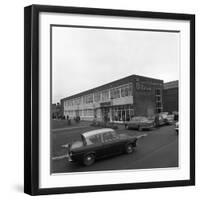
[(97, 131), (115, 83), (171, 84)]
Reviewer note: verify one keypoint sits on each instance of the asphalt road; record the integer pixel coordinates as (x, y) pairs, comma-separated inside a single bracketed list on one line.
[(159, 149)]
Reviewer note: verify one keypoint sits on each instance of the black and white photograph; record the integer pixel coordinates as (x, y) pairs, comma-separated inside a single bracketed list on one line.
[(114, 99), (112, 95)]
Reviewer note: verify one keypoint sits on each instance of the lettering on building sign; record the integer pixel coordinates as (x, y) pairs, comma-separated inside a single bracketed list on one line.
[(143, 86), (105, 104)]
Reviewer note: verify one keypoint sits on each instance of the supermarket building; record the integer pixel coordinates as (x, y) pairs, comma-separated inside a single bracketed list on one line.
[(117, 101)]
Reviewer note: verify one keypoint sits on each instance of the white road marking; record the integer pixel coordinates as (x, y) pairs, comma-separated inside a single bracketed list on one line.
[(68, 128), (60, 157), (141, 136)]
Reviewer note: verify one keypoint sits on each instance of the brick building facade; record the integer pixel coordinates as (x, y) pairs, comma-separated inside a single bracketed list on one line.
[(170, 96), (117, 101)]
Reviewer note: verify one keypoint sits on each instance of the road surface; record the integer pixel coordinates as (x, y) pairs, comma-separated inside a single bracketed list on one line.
[(159, 149)]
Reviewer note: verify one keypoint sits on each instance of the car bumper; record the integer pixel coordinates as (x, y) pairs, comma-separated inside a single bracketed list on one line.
[(70, 160)]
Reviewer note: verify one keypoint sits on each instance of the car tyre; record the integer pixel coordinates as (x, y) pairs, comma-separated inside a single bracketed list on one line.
[(129, 148), (89, 159)]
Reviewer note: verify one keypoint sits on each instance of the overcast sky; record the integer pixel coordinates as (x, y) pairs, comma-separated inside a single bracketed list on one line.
[(85, 58)]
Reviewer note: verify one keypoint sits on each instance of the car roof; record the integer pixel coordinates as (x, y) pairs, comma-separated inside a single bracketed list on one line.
[(97, 131)]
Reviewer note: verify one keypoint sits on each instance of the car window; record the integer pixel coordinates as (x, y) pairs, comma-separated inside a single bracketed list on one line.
[(110, 136), (94, 139)]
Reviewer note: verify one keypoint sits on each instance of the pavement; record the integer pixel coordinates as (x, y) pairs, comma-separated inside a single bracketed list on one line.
[(159, 149)]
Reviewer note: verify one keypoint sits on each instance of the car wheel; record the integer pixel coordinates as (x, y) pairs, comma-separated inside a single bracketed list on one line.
[(139, 128), (129, 148), (88, 159)]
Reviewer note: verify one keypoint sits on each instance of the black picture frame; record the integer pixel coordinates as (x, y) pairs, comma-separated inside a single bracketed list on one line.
[(31, 98)]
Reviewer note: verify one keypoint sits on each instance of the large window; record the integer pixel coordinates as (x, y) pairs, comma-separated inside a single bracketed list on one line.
[(89, 98), (88, 113), (158, 91), (126, 90), (122, 113), (69, 102), (115, 93), (77, 101), (97, 97), (122, 91), (105, 95)]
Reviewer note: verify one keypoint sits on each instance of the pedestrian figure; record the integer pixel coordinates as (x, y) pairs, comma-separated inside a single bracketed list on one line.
[(157, 120)]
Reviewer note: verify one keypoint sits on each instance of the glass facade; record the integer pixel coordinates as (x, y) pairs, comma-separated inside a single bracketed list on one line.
[(122, 113)]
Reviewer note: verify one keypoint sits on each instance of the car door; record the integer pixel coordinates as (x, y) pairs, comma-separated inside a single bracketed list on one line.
[(110, 144), (95, 145)]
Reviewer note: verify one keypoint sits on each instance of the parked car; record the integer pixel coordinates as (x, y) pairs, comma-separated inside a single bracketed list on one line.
[(170, 119), (175, 113), (163, 118), (99, 144), (140, 123), (177, 127)]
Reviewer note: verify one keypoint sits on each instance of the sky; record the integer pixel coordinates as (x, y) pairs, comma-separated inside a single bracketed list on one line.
[(84, 58)]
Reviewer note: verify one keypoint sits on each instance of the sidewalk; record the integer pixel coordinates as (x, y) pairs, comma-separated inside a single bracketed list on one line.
[(61, 124)]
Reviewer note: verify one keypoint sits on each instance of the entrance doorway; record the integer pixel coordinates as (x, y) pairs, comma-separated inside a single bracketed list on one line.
[(105, 114), (122, 113)]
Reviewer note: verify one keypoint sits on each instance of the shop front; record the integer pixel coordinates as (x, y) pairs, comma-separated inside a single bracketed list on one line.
[(116, 114), (122, 113)]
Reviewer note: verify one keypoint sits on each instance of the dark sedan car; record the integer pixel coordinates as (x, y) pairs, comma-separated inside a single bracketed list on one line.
[(140, 123), (98, 144)]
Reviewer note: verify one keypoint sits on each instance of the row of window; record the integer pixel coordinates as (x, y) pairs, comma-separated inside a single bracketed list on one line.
[(158, 100), (105, 95), (81, 113)]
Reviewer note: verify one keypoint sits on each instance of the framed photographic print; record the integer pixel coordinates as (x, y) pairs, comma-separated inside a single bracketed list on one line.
[(109, 99)]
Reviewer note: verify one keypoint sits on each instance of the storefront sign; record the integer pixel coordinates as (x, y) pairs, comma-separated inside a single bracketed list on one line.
[(105, 104), (144, 86)]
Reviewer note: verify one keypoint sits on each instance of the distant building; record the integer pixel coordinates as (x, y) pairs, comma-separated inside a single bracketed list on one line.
[(117, 101), (170, 96), (56, 110)]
